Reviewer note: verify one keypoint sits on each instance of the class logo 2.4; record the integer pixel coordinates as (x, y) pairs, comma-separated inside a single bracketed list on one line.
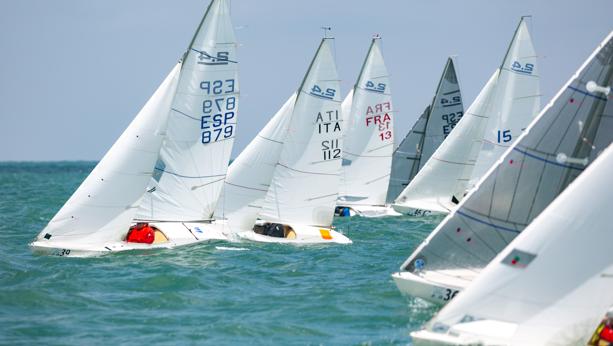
[(222, 58)]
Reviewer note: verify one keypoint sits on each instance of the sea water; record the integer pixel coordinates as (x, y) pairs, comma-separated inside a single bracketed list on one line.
[(202, 294)]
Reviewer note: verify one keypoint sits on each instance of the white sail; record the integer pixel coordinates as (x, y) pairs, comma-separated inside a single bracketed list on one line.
[(434, 185), (194, 158), (504, 108), (552, 284), (430, 130), (368, 140), (103, 206), (515, 104), (250, 174), (564, 138), (305, 182)]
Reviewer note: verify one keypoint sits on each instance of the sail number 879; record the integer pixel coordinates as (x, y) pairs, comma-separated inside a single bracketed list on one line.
[(218, 119)]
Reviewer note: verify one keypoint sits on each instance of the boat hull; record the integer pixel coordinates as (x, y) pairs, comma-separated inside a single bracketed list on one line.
[(303, 235), (369, 211), (410, 211), (413, 285), (178, 234)]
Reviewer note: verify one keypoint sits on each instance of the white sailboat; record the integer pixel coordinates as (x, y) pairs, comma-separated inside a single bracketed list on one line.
[(164, 174), (494, 121), (554, 150), (433, 126), (368, 140), (282, 188), (551, 285)]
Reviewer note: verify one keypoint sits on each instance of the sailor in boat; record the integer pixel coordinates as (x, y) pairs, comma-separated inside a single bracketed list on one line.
[(603, 336), (342, 211), (276, 230), (142, 232)]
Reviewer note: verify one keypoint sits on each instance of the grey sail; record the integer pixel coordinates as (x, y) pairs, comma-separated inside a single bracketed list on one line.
[(557, 146), (430, 130)]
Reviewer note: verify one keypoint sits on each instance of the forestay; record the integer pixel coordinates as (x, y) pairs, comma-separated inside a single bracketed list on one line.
[(553, 283), (249, 176), (103, 206), (368, 137), (194, 158), (430, 130), (558, 145), (305, 182), (499, 114)]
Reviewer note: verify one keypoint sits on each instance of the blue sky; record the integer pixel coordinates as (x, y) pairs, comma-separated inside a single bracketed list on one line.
[(74, 73)]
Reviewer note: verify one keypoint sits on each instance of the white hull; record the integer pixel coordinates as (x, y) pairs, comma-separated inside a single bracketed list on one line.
[(178, 234), (410, 211), (303, 235), (482, 332), (417, 286), (370, 210)]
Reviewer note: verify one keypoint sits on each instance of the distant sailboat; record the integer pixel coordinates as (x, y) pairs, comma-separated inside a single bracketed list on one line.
[(505, 106), (283, 187), (558, 145), (433, 126), (551, 285), (164, 174), (368, 140)]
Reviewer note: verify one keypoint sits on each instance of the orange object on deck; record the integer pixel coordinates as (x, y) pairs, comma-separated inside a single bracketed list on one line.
[(325, 234)]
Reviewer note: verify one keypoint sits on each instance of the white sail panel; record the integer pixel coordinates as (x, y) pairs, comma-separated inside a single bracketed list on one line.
[(103, 206), (194, 158), (249, 176), (304, 187), (553, 282), (553, 151), (516, 103), (406, 158), (368, 137), (445, 112), (433, 187)]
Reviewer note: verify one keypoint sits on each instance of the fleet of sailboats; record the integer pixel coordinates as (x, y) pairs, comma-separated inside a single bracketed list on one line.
[(523, 254)]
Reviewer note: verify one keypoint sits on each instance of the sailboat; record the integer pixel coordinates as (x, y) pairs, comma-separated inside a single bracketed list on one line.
[(283, 187), (499, 114), (158, 184), (556, 147), (551, 285), (429, 131), (368, 140)]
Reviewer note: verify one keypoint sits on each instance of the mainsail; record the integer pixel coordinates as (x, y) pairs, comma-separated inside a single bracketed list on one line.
[(552, 284), (498, 116), (103, 206), (249, 176), (427, 134), (192, 164), (305, 182), (557, 146), (368, 137)]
